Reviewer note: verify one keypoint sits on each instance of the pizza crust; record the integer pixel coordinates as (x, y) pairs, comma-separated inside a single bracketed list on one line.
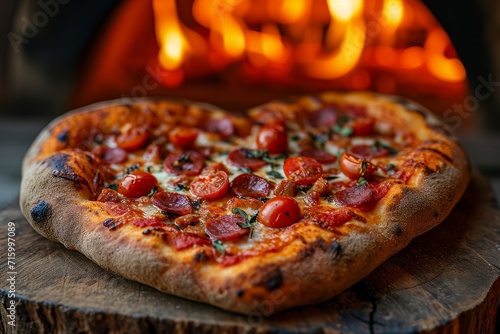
[(58, 193)]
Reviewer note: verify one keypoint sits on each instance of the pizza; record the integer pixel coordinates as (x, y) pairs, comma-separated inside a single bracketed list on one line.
[(287, 205)]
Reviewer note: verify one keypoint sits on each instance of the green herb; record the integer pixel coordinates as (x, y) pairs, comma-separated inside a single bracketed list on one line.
[(112, 186), (363, 167), (345, 132), (263, 199), (224, 153), (245, 170), (219, 247), (282, 156), (319, 139), (342, 130), (196, 204), (390, 166), (184, 158), (249, 223), (153, 191), (241, 213), (180, 187), (132, 168), (342, 120), (378, 144), (148, 169), (304, 189), (275, 174), (255, 154), (295, 137), (361, 181)]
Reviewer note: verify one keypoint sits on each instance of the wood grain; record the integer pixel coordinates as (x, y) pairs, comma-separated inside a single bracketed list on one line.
[(446, 281)]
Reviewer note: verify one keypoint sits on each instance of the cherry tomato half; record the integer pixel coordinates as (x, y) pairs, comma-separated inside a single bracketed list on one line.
[(302, 170), (352, 167), (273, 138), (183, 136), (137, 184), (184, 163), (361, 126), (133, 138), (241, 158), (250, 185), (280, 211), (210, 186)]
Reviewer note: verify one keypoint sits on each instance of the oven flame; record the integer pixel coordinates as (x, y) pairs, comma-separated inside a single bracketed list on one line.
[(320, 40)]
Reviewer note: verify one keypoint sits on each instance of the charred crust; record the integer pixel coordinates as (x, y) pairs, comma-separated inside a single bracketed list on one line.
[(438, 152), (396, 229), (61, 168), (63, 136), (436, 214), (201, 257), (111, 224), (306, 252), (240, 293), (335, 249), (41, 212), (269, 278)]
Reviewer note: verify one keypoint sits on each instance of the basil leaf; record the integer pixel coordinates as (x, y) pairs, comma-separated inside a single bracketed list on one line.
[(378, 144), (112, 186), (184, 158), (361, 181), (241, 213), (245, 170), (219, 246), (275, 174), (153, 191)]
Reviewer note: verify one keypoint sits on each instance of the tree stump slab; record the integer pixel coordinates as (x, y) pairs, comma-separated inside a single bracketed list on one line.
[(445, 281)]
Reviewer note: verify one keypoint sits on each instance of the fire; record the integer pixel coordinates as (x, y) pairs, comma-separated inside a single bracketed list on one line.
[(170, 36), (323, 40)]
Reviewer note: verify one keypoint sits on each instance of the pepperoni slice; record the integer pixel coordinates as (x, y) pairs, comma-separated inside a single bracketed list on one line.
[(331, 218), (226, 227), (320, 156), (241, 158), (286, 188), (250, 185), (369, 151), (302, 170), (323, 118), (210, 186), (183, 240), (188, 163), (114, 155), (359, 196), (109, 195), (223, 126), (172, 203)]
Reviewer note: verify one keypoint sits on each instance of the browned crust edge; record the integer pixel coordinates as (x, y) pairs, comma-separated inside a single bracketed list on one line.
[(303, 273)]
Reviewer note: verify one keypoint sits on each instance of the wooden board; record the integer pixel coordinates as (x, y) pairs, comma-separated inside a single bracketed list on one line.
[(446, 281)]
